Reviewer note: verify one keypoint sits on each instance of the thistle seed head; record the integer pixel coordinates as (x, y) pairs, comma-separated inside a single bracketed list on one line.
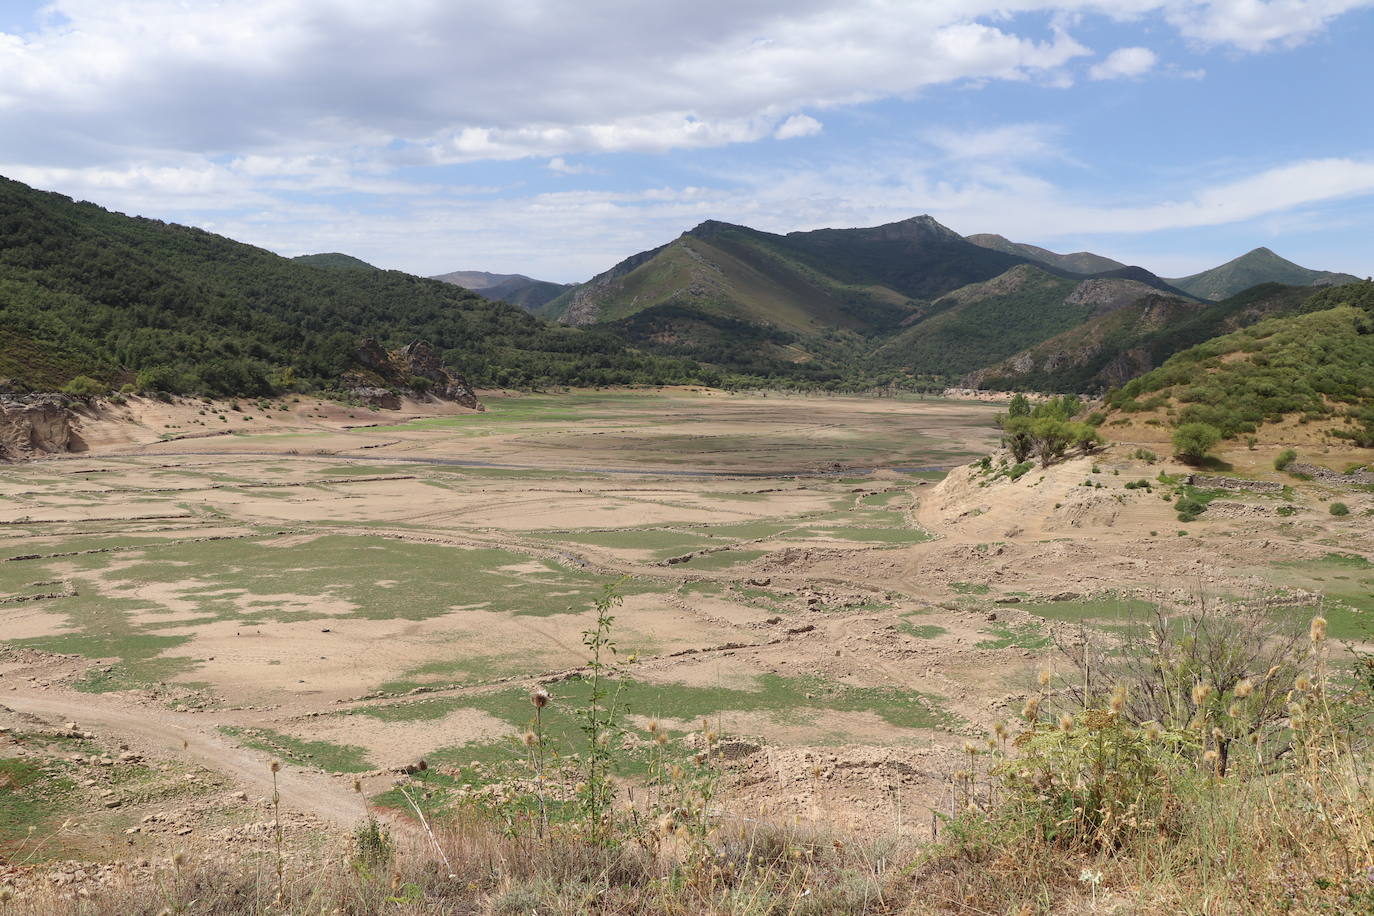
[(1201, 691), (276, 766), (1066, 722), (539, 697), (1318, 630), (1031, 712), (1044, 677), (1118, 701), (1244, 689)]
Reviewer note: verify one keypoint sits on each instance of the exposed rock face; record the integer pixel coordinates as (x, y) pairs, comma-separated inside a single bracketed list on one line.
[(399, 369), (1106, 294), (377, 397), (35, 423)]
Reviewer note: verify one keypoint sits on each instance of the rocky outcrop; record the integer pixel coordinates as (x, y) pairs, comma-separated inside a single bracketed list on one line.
[(1107, 294), (36, 423), (414, 367), (384, 398)]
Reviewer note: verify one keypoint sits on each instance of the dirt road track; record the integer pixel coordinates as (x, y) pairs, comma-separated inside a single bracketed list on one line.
[(163, 731)]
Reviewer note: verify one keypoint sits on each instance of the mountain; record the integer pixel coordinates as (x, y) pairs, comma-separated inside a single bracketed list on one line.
[(517, 289), (84, 291), (742, 298), (1080, 262), (1251, 269), (1316, 363), (476, 280), (334, 260)]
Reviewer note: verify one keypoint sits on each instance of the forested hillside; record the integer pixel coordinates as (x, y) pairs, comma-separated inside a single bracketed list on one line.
[(1317, 365), (1110, 349), (84, 291)]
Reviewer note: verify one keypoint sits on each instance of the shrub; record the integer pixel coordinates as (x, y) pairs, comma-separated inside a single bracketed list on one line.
[(1192, 441), (1145, 455), (1285, 458), (1189, 507), (83, 386), (1016, 436), (1340, 509), (1018, 470), (1052, 437)]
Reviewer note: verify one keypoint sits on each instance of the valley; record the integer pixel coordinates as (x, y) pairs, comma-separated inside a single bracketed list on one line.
[(828, 582)]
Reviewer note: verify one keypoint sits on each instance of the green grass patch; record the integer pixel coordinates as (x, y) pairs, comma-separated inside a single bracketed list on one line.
[(1110, 608), (31, 796), (323, 755), (786, 699), (724, 559), (1015, 636)]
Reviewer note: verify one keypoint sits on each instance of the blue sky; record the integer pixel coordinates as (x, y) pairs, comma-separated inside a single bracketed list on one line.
[(553, 138)]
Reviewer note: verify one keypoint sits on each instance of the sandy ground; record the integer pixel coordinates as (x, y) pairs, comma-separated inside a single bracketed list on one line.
[(304, 575)]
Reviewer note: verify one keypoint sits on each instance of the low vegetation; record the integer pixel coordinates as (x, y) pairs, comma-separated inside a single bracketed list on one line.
[(1192, 762), (1313, 366)]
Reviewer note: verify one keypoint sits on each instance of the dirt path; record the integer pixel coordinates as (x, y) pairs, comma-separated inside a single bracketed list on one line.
[(164, 731)]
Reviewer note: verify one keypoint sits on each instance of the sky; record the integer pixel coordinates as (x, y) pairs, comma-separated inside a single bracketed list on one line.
[(554, 138)]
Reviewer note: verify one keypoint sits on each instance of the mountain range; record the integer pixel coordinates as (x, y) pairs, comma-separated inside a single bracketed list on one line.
[(916, 299), (123, 300)]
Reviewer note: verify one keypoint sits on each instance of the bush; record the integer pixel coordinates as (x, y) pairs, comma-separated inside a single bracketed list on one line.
[(83, 386), (1016, 436), (1339, 509), (1052, 437), (1017, 470), (1189, 508), (1192, 441), (1285, 458)]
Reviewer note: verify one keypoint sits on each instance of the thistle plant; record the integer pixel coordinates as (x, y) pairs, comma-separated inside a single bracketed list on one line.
[(600, 718)]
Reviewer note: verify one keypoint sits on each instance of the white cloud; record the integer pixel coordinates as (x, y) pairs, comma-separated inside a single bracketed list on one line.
[(1124, 63), (560, 166), (1253, 25), (1007, 143), (798, 126)]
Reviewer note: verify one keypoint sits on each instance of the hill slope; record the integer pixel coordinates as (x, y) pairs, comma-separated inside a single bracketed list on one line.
[(1080, 262), (517, 289), (1109, 349), (91, 292), (334, 260), (1317, 364), (1251, 269)]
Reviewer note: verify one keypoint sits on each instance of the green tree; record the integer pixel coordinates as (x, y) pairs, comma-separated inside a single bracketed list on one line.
[(1085, 436), (1192, 441), (1020, 406), (1016, 436), (1052, 437)]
